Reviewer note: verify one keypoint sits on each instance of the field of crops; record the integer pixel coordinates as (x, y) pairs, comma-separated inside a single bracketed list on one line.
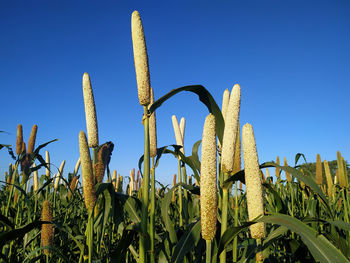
[(223, 206)]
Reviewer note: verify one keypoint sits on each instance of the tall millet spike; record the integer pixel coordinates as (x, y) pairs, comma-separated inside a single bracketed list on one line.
[(47, 160), (90, 112), (152, 130), (253, 181), (329, 179), (32, 138), (225, 102), (46, 229), (288, 176), (35, 179), (19, 141), (177, 131), (277, 170), (182, 130), (140, 59), (230, 131), (237, 162), (208, 184), (319, 175), (87, 174)]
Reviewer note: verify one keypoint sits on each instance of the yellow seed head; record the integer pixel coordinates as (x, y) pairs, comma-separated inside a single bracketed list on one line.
[(35, 179), (47, 160), (32, 138), (230, 131), (267, 172), (208, 184), (19, 142), (87, 174), (237, 162), (76, 168), (100, 166), (46, 229), (225, 102), (253, 181), (114, 179), (319, 176), (140, 59), (277, 170), (289, 178), (152, 130), (90, 112)]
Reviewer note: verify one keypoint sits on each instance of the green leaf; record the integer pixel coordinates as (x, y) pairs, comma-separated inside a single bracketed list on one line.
[(187, 242), (19, 232), (321, 249), (205, 97), (306, 179), (169, 224)]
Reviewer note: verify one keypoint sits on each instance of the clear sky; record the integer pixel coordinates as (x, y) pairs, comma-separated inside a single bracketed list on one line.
[(291, 58)]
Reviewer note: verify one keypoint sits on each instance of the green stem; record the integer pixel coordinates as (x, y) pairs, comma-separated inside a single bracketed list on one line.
[(145, 190), (152, 216), (180, 193), (90, 234), (224, 213), (235, 240), (208, 254)]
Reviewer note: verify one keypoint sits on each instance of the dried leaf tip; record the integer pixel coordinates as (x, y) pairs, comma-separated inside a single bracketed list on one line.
[(253, 181), (86, 171), (140, 59), (208, 184), (90, 112)]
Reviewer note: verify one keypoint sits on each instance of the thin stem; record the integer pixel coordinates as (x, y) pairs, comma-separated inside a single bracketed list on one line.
[(180, 193), (145, 189), (235, 240), (208, 254), (152, 216), (224, 212)]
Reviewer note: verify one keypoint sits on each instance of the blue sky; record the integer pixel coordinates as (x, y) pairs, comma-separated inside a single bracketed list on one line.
[(291, 58)]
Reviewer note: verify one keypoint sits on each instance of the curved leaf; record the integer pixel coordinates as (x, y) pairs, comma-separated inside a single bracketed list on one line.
[(205, 97), (321, 249)]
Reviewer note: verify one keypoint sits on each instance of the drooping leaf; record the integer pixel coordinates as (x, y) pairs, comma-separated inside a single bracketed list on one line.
[(205, 97), (321, 249)]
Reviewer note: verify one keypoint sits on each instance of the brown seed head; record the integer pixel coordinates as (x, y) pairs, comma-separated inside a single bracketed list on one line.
[(87, 174), (230, 131), (208, 184), (73, 186), (46, 229), (32, 138), (140, 59), (253, 181), (90, 112), (19, 141)]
